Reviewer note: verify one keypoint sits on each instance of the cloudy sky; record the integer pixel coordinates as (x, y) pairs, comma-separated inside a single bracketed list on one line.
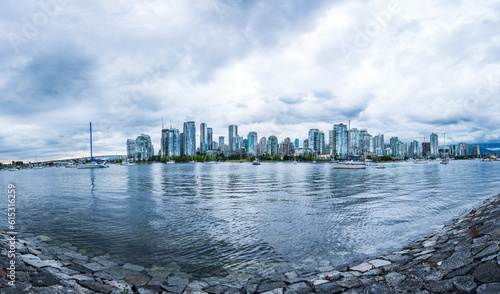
[(399, 68)]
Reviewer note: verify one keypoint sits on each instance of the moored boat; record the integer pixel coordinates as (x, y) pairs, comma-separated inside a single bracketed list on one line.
[(349, 165)]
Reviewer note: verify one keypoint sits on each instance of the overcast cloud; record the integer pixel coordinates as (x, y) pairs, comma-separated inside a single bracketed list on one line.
[(399, 68)]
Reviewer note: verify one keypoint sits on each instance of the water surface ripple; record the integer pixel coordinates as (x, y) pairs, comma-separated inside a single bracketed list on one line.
[(215, 220)]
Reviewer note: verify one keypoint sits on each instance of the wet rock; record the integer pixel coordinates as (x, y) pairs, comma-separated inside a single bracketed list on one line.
[(379, 262), (295, 280), (291, 275), (133, 267), (393, 279), (198, 285), (329, 288), (364, 267), (380, 289), (298, 288), (94, 266), (137, 279), (439, 256), (429, 243), (493, 288), (96, 286), (268, 286), (487, 272), (33, 260), (464, 284)]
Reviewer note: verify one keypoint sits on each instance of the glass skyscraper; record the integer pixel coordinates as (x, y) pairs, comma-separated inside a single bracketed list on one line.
[(173, 149), (233, 132), (340, 141), (203, 138), (314, 140), (252, 143), (272, 145), (189, 131), (434, 145), (209, 138)]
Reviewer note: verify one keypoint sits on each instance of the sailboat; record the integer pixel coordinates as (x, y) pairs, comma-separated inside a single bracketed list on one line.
[(94, 163), (446, 159)]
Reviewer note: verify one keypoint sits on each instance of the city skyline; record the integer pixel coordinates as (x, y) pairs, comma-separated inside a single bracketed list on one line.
[(396, 68)]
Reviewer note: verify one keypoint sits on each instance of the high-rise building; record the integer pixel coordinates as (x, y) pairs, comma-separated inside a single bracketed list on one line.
[(379, 145), (203, 138), (426, 149), (305, 144), (233, 132), (130, 148), (252, 143), (434, 145), (321, 145), (221, 142), (272, 145), (181, 143), (164, 142), (173, 147), (463, 149), (209, 138), (394, 146), (296, 143), (143, 147), (330, 140), (475, 150), (236, 143), (189, 138), (413, 151), (313, 137), (354, 141), (263, 145), (340, 141)]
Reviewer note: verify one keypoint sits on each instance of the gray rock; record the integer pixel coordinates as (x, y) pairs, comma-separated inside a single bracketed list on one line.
[(464, 284), (461, 272), (79, 268), (298, 288), (364, 267), (439, 256), (43, 278), (349, 282), (380, 289), (268, 286), (133, 267), (398, 258), (374, 272), (137, 279), (23, 277), (457, 260), (96, 286), (175, 280), (439, 286), (490, 250), (95, 267), (329, 288), (379, 262), (198, 285), (493, 288), (393, 279), (296, 280), (177, 289), (487, 272)]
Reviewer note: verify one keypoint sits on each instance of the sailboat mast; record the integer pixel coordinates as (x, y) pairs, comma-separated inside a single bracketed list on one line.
[(91, 158)]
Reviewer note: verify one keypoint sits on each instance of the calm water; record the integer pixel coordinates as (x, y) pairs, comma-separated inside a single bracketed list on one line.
[(239, 219)]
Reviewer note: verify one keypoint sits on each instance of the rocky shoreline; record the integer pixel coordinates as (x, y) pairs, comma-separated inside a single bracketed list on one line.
[(463, 257)]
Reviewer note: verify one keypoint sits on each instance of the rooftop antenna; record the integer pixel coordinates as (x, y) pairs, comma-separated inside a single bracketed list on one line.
[(349, 125), (162, 123), (170, 123)]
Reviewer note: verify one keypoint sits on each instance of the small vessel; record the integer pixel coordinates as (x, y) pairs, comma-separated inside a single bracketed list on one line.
[(349, 165), (446, 159), (256, 161), (170, 161), (71, 165), (94, 163), (127, 163), (380, 167), (13, 169), (420, 161)]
